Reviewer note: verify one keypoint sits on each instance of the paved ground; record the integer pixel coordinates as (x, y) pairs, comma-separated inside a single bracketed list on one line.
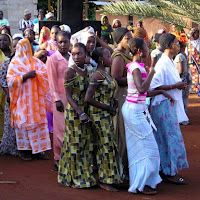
[(36, 180)]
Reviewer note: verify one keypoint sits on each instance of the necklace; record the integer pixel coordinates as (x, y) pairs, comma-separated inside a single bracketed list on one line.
[(81, 69)]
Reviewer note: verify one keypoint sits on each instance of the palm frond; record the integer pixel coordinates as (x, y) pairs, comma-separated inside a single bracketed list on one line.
[(183, 8), (146, 10)]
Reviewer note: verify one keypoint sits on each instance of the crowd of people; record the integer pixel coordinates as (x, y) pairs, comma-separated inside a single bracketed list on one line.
[(114, 110)]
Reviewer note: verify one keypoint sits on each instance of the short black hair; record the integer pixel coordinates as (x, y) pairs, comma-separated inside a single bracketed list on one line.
[(181, 45), (63, 33), (56, 26), (97, 53), (133, 45), (166, 40), (80, 45), (41, 9), (105, 37), (31, 30), (156, 37)]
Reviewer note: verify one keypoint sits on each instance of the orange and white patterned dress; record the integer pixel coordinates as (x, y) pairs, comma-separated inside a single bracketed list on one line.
[(28, 100)]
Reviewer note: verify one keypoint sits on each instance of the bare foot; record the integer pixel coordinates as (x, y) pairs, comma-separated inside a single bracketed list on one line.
[(73, 186), (108, 187)]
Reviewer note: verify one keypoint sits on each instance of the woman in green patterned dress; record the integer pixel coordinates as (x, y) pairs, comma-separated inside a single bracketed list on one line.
[(100, 96), (75, 168)]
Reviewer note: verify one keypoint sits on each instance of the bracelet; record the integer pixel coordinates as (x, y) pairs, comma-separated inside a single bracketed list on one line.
[(82, 114)]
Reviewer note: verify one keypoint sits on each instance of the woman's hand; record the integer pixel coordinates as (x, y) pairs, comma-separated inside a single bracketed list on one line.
[(168, 96), (30, 74), (112, 110), (59, 106), (84, 118), (181, 85), (8, 99), (115, 105)]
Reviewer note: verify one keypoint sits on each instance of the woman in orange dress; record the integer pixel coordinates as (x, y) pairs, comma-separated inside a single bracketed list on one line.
[(28, 85)]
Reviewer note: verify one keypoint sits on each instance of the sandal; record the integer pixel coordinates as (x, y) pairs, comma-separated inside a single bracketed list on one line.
[(25, 157), (41, 156), (148, 190), (176, 180)]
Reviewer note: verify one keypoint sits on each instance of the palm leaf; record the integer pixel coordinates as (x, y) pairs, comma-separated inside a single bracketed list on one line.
[(169, 11)]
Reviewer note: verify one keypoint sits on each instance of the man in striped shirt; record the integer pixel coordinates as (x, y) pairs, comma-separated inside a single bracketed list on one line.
[(26, 22)]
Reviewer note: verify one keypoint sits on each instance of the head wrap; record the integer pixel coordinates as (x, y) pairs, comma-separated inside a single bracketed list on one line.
[(23, 62), (139, 22), (119, 33), (10, 46), (166, 40), (103, 16), (82, 35), (4, 26), (85, 36), (48, 15), (115, 21), (47, 35), (65, 28), (17, 35), (161, 31)]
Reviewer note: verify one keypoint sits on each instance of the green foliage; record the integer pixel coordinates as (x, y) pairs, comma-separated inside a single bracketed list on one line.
[(92, 12), (169, 11), (42, 4)]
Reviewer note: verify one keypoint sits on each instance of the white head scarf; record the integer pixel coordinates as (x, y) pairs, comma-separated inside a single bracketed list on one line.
[(85, 36), (82, 36), (66, 28)]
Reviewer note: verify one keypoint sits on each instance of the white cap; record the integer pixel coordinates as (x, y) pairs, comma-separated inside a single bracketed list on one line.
[(26, 12), (48, 15), (66, 28)]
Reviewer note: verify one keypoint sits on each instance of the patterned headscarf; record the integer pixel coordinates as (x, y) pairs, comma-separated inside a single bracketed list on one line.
[(23, 62), (113, 23), (103, 16)]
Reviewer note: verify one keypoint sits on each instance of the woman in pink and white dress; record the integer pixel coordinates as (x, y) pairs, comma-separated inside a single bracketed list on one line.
[(142, 149)]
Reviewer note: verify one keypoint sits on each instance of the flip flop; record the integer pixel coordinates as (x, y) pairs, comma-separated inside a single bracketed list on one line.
[(148, 190), (176, 180), (43, 156), (25, 157)]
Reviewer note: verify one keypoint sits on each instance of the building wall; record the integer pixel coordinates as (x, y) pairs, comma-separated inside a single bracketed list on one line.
[(14, 10), (150, 25)]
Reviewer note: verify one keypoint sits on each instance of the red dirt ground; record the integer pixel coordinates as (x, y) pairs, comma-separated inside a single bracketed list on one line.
[(36, 180)]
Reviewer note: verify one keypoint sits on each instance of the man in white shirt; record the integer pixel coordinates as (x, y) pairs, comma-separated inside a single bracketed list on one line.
[(26, 22), (2, 20)]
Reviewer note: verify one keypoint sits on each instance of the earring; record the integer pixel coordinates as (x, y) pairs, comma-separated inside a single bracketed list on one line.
[(131, 55), (141, 54), (102, 62)]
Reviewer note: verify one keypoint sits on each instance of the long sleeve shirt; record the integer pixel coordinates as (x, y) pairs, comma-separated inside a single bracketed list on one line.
[(56, 67)]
